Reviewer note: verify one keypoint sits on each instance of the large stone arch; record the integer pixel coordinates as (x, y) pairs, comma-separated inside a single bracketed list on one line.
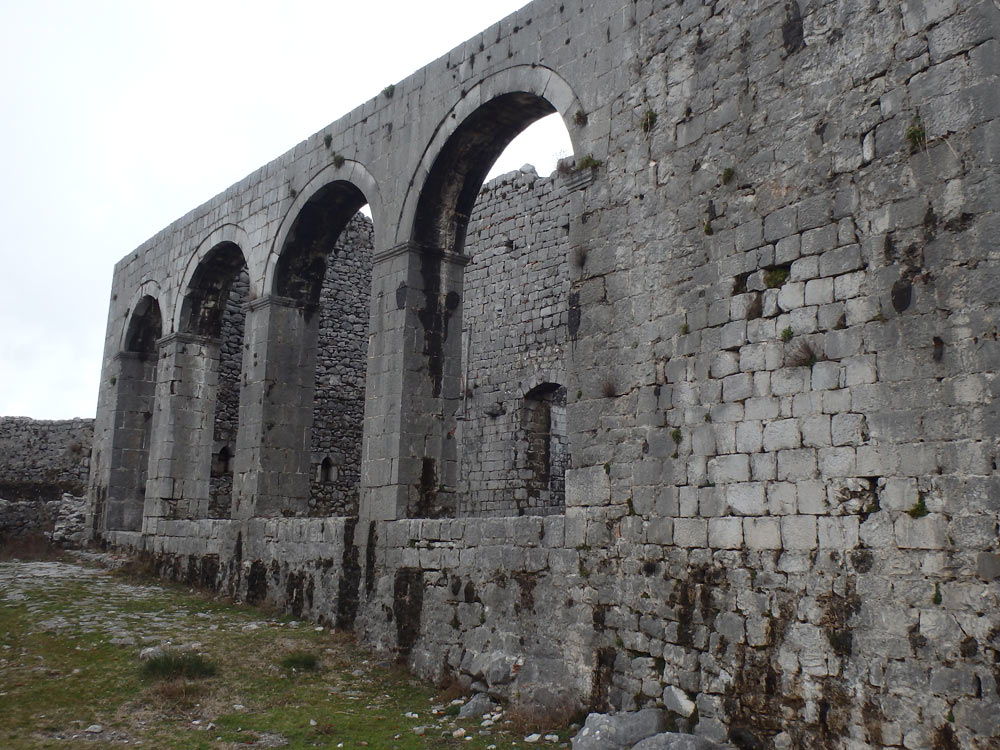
[(530, 83), (224, 235), (198, 382), (133, 396), (274, 456), (420, 281)]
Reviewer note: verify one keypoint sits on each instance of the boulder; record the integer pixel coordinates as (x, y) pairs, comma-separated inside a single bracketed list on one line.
[(675, 741), (476, 706), (619, 731)]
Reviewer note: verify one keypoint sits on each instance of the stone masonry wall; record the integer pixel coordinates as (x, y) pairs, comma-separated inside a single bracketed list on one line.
[(792, 284), (515, 318), (340, 372), (227, 405), (40, 460)]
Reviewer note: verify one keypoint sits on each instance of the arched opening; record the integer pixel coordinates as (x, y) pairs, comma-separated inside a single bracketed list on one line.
[(545, 454), (320, 308), (327, 471), (145, 328), (135, 395), (493, 311), (221, 464)]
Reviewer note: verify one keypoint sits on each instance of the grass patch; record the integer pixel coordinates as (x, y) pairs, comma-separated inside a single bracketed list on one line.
[(301, 661), (63, 673), (173, 665)]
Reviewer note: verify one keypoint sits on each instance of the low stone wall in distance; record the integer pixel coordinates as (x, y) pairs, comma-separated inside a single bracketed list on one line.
[(40, 459)]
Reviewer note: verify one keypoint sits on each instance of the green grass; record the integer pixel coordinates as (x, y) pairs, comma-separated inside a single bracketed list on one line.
[(60, 673), (301, 661), (172, 665)]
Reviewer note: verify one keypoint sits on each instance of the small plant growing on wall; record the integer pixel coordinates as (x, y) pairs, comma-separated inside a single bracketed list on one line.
[(919, 509), (786, 334), (327, 140), (609, 388), (915, 135), (338, 160), (580, 118), (708, 227), (803, 356), (648, 121), (587, 162), (389, 91), (676, 436), (775, 277)]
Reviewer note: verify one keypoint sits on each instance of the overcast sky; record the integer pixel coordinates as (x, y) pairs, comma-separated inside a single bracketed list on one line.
[(121, 116)]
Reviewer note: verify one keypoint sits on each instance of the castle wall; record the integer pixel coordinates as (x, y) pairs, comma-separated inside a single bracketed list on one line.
[(774, 314), (40, 460)]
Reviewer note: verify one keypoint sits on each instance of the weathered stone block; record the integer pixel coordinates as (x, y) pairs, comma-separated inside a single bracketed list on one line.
[(798, 532)]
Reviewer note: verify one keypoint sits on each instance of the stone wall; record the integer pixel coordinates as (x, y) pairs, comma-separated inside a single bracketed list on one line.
[(339, 400), (227, 403), (40, 460), (515, 314)]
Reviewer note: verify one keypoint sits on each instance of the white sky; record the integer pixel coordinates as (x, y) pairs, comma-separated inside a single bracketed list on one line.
[(121, 116)]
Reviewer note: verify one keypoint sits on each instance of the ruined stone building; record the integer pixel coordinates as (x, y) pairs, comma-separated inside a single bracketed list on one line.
[(708, 420)]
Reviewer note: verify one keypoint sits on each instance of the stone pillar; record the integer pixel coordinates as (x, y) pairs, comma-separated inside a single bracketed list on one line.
[(272, 461), (129, 458), (409, 461), (180, 458)]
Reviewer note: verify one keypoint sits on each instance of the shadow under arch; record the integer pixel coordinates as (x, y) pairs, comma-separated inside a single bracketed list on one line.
[(225, 235), (320, 212), (134, 396), (149, 295), (468, 140)]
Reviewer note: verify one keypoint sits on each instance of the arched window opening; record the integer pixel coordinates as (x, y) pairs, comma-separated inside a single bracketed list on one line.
[(327, 471), (538, 148), (222, 465), (210, 295), (145, 327)]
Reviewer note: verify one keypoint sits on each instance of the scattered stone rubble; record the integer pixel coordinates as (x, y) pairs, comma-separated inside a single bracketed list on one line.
[(61, 521)]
